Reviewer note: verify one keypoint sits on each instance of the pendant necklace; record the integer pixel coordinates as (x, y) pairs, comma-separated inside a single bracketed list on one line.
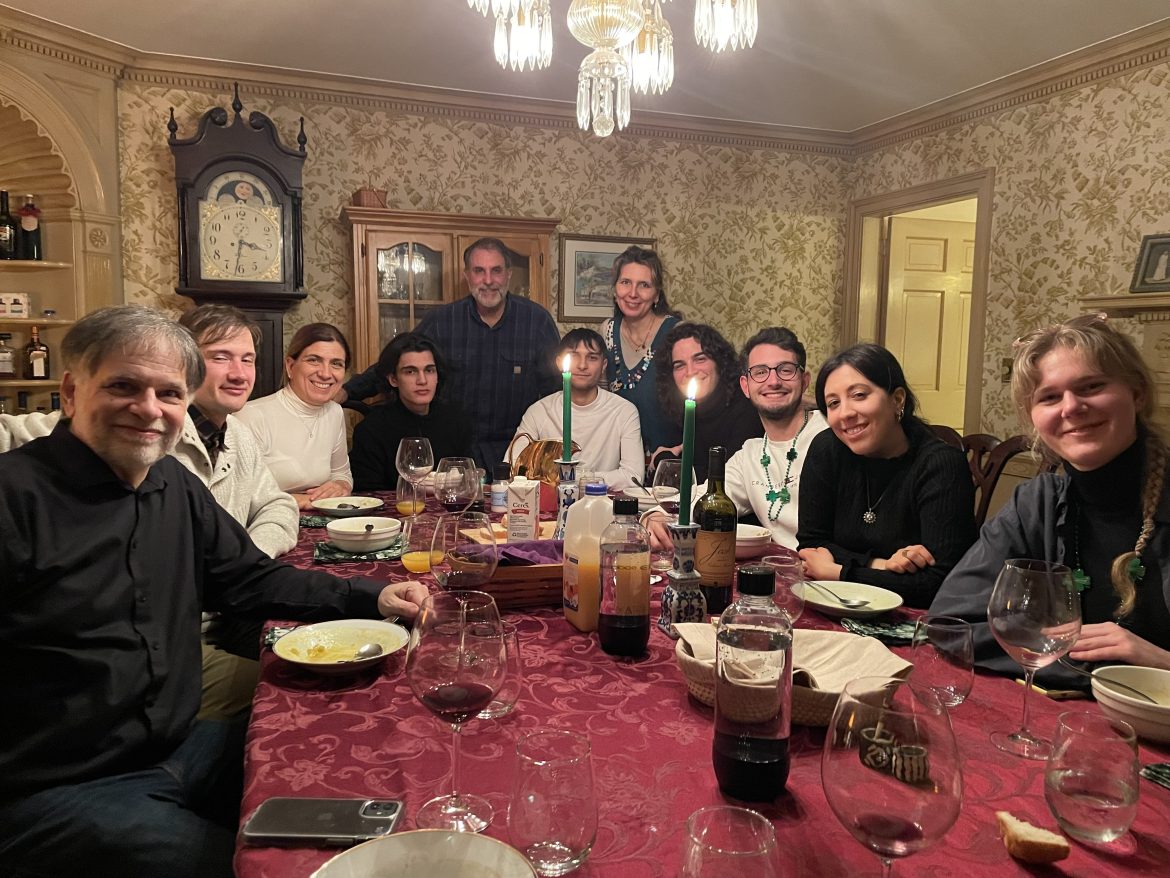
[(869, 516), (782, 496)]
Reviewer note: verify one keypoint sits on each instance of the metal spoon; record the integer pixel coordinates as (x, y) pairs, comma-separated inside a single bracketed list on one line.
[(647, 491), (1108, 681), (847, 603), (365, 651)]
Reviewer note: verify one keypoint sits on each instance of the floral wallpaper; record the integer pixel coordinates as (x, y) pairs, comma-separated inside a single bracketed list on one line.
[(749, 236)]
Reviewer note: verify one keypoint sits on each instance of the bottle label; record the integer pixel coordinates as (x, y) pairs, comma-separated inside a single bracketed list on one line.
[(36, 360), (29, 223), (715, 557), (7, 364), (570, 594), (6, 236)]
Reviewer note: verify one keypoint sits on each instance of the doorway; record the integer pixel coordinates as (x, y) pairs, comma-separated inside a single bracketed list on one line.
[(916, 278)]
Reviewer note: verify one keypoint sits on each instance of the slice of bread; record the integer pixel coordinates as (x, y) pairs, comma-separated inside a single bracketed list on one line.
[(1029, 843)]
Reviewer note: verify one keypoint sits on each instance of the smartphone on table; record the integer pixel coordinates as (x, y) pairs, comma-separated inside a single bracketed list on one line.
[(320, 822)]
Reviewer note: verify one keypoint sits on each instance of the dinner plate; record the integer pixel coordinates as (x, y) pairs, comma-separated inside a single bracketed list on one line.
[(881, 600), (645, 501), (342, 506), (328, 647), (435, 853)]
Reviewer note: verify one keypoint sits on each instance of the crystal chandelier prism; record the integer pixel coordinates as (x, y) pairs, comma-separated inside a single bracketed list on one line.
[(651, 52), (603, 84), (523, 36), (726, 24)]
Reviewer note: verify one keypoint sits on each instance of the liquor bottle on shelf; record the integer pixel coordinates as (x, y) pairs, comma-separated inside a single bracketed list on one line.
[(9, 237), (7, 356), (753, 691), (715, 547), (29, 237), (3, 405), (55, 401), (36, 358), (22, 402)]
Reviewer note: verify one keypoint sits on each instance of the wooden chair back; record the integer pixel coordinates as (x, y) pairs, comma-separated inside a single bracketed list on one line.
[(948, 435), (987, 456)]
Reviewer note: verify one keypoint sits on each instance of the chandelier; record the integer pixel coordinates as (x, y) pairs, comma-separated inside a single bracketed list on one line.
[(632, 43)]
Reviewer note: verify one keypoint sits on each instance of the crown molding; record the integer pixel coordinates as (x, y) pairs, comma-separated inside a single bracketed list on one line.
[(1110, 58)]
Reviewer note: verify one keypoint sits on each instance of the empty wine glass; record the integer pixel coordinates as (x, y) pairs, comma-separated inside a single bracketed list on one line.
[(943, 652), (724, 841), (455, 664), (1035, 614), (414, 461), (665, 488), (789, 594), (890, 766), (463, 550), (456, 482), (1091, 781)]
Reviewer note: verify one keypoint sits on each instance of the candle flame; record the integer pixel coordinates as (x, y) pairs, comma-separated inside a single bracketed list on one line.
[(692, 388), (566, 363)]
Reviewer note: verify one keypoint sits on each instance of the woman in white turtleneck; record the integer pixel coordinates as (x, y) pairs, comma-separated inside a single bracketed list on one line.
[(300, 428)]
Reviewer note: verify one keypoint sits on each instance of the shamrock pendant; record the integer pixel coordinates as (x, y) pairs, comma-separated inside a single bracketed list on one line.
[(791, 455), (774, 495), (765, 460), (1081, 580), (784, 495)]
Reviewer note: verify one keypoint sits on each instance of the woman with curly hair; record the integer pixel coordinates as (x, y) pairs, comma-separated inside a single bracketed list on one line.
[(637, 330), (1083, 391), (723, 415)]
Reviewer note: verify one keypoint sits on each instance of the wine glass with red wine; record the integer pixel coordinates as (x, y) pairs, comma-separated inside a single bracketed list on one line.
[(455, 664), (890, 766)]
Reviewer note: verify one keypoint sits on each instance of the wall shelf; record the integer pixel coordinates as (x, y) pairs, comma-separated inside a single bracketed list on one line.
[(18, 265)]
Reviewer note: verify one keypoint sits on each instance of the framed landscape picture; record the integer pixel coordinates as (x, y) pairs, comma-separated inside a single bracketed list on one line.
[(1152, 272), (586, 288)]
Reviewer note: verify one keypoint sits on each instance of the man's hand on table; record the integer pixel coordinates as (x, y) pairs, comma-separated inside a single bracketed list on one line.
[(402, 599)]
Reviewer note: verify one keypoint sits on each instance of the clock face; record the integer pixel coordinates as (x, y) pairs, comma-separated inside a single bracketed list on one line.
[(241, 234)]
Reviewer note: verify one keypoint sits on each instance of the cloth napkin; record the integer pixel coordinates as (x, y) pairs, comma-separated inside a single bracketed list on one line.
[(531, 552), (822, 660), (314, 520), (329, 553)]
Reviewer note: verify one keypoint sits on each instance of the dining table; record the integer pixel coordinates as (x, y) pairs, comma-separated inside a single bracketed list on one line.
[(366, 735)]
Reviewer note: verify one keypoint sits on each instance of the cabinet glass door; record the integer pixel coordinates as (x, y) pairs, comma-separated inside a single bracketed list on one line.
[(411, 276), (524, 253)]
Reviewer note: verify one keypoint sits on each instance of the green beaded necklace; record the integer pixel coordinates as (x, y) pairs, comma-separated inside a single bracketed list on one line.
[(782, 496)]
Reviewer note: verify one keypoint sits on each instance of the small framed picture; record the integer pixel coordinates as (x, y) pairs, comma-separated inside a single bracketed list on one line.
[(1152, 273), (586, 282)]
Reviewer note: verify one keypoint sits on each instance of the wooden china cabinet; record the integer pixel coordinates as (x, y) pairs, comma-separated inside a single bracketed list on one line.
[(406, 262)]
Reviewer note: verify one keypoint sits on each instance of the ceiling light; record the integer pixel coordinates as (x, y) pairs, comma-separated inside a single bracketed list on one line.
[(603, 84), (725, 24), (651, 52), (523, 37)]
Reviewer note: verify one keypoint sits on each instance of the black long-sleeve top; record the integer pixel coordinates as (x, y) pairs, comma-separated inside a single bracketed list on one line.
[(728, 419), (925, 496), (101, 591), (376, 438)]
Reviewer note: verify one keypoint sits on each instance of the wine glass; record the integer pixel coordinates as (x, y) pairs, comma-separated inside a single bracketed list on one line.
[(414, 460), (455, 664), (725, 841), (943, 652), (456, 482), (890, 766), (1035, 614), (789, 594), (665, 490), (463, 551)]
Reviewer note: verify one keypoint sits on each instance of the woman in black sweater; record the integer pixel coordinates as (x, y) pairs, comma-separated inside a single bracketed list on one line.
[(882, 501), (413, 370)]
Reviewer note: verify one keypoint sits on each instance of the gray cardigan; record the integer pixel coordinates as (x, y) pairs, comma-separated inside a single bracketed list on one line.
[(1029, 526)]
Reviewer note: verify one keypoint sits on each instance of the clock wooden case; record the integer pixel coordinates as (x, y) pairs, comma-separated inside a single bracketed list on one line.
[(240, 221)]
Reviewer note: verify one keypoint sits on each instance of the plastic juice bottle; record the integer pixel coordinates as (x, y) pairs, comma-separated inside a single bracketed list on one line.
[(581, 586)]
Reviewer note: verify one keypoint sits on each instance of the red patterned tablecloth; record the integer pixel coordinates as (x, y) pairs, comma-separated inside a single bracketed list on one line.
[(368, 736)]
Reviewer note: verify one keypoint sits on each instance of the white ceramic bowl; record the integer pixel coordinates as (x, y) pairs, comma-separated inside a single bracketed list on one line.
[(1150, 721), (752, 533), (366, 534), (328, 647), (435, 853), (341, 507)]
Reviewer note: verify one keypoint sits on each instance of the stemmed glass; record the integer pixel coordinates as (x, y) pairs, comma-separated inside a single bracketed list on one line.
[(891, 768), (455, 665), (665, 489), (943, 652), (1035, 614), (456, 482), (414, 460), (463, 551)]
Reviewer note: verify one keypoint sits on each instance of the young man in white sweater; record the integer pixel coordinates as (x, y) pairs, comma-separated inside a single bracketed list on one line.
[(605, 426)]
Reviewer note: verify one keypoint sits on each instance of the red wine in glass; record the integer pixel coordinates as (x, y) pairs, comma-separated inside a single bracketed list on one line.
[(456, 703)]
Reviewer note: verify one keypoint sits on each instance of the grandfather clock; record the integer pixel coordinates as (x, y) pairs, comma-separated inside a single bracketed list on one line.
[(240, 238)]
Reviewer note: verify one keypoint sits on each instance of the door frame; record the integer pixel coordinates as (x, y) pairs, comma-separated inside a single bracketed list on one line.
[(979, 185)]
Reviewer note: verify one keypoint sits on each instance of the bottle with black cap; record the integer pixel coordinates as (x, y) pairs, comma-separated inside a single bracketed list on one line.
[(623, 627), (753, 691)]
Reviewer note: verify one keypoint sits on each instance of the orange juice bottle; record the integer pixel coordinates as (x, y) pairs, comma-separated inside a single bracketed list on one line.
[(581, 585)]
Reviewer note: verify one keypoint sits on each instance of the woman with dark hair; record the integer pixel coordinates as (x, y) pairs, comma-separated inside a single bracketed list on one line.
[(723, 415), (414, 370), (1083, 391), (637, 330), (300, 429), (882, 501)]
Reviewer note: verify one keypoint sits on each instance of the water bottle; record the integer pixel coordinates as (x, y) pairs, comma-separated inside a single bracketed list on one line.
[(753, 691), (623, 627), (581, 585)]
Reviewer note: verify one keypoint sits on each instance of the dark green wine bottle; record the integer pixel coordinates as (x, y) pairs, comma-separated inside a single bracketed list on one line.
[(715, 548)]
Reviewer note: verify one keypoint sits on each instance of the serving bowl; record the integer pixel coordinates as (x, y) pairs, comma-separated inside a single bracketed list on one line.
[(341, 507), (751, 541), (363, 534), (435, 853), (329, 647), (1150, 721)]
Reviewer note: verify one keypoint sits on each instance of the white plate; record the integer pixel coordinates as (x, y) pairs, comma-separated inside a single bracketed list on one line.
[(339, 638), (881, 600), (434, 853), (645, 501), (334, 505)]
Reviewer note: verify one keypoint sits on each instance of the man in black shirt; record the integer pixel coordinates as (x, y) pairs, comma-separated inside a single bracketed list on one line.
[(111, 550)]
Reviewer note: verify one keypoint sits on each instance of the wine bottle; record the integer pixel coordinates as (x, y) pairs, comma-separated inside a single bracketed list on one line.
[(9, 239), (715, 547), (7, 357), (30, 229), (36, 357)]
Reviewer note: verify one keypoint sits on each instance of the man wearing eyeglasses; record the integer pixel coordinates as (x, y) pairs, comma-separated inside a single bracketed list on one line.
[(763, 477)]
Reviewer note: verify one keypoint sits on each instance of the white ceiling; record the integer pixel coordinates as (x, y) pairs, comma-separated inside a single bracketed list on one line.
[(834, 65)]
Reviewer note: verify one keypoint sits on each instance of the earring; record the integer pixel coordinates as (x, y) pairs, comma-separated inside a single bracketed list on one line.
[(899, 413)]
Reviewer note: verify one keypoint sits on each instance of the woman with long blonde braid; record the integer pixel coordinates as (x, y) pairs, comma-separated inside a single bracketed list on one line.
[(1089, 400)]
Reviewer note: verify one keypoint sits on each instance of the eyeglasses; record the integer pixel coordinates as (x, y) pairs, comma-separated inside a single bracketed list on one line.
[(784, 371)]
